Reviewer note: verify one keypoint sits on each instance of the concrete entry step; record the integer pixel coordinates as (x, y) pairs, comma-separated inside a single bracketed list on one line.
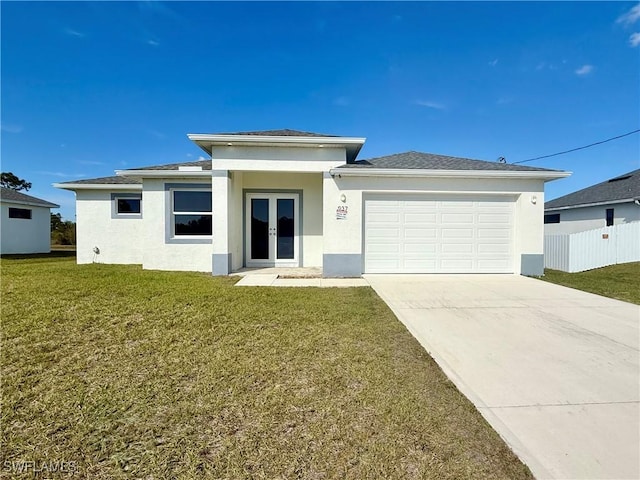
[(272, 280), (282, 272)]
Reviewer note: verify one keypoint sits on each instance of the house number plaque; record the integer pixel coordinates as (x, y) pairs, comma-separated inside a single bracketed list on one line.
[(341, 212)]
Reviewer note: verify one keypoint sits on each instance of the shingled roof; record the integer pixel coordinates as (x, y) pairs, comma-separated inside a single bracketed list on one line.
[(204, 164), (620, 188), (116, 180), (430, 161), (285, 132), (127, 180), (13, 196)]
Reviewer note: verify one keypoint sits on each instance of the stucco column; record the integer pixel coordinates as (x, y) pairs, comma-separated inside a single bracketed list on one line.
[(341, 237), (530, 231), (221, 256)]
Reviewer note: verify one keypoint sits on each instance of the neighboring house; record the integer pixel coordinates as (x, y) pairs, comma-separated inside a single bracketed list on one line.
[(25, 223), (608, 203), (289, 198)]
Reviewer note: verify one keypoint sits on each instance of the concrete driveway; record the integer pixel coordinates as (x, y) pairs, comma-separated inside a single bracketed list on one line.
[(554, 370)]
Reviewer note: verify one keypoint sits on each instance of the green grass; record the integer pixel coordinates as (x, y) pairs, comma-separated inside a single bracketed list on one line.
[(616, 281), (143, 374)]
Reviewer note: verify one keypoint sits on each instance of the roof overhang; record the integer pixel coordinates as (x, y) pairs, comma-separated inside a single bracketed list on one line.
[(208, 141), (415, 172), (593, 204), (98, 186)]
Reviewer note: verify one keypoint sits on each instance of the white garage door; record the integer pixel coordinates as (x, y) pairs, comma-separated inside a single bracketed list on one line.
[(438, 234)]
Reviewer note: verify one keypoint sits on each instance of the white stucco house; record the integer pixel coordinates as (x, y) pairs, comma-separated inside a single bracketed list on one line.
[(612, 202), (25, 223), (290, 198)]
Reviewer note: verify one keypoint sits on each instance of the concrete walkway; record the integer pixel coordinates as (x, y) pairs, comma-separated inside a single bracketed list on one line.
[(554, 370)]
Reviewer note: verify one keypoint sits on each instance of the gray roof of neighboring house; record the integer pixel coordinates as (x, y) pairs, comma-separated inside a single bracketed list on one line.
[(285, 132), (430, 161), (116, 180), (622, 187), (10, 195)]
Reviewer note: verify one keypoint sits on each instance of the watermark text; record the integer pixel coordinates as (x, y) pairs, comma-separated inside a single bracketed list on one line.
[(46, 466)]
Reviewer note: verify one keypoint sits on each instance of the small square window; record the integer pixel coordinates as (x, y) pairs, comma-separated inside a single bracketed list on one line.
[(21, 213), (128, 205), (552, 218), (609, 217)]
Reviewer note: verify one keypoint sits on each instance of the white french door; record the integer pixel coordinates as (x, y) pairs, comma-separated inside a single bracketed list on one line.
[(271, 227)]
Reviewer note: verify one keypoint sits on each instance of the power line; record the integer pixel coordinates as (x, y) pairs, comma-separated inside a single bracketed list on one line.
[(579, 148)]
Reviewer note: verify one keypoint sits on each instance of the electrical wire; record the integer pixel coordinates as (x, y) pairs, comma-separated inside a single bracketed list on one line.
[(579, 148)]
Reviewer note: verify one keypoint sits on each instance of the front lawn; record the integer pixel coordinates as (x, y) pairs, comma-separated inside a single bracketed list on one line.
[(141, 374), (616, 281)]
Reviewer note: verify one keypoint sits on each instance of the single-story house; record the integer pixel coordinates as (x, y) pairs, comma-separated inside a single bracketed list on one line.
[(612, 202), (299, 199), (25, 223)]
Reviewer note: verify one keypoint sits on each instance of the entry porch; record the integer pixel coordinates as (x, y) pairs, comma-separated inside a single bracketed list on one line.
[(265, 219)]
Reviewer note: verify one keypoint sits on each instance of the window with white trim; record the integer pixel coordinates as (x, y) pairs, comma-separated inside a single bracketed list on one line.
[(191, 213), (21, 213), (126, 205)]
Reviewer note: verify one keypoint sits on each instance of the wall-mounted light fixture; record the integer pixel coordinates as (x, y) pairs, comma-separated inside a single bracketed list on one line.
[(534, 199), (343, 198)]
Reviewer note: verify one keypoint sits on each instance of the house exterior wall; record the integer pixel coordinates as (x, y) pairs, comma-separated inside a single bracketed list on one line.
[(160, 251), (25, 235), (147, 240), (278, 159), (343, 239), (120, 240), (575, 220)]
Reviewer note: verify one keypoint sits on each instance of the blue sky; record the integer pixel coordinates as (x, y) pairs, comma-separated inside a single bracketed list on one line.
[(91, 87)]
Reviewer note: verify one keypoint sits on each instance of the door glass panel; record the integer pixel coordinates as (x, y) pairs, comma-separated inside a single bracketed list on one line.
[(285, 228), (259, 228)]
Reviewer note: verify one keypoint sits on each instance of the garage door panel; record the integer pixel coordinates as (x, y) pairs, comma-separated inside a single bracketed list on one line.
[(419, 218), (377, 232), (455, 205), (439, 234), (499, 218), (420, 233), (460, 218), (495, 232), (382, 264), (494, 248), (383, 217), (386, 248), (457, 233), (456, 264), (460, 248), (418, 265), (420, 205), (420, 248)]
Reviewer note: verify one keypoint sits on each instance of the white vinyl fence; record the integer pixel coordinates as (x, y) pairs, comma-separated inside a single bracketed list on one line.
[(577, 252)]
